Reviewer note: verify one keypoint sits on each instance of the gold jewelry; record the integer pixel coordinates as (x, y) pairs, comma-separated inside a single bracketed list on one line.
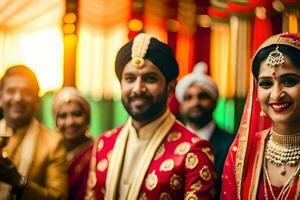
[(283, 150), (275, 58), (262, 113), (286, 188)]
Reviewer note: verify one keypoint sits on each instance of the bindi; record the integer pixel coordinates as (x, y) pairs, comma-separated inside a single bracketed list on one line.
[(274, 75)]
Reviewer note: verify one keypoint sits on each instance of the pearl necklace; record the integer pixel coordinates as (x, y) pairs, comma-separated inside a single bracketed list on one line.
[(283, 150)]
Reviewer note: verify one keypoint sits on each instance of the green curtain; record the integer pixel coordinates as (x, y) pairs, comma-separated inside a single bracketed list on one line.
[(228, 113)]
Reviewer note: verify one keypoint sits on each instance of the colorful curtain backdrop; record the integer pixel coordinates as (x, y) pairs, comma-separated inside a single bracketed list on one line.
[(291, 15), (222, 71), (102, 31), (30, 34), (223, 33)]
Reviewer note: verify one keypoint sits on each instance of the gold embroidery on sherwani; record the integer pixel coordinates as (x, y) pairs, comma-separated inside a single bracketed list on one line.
[(191, 161), (110, 133), (174, 136), (109, 155), (152, 147), (166, 165), (182, 148), (142, 196), (92, 180), (165, 196), (195, 139), (205, 173), (209, 154), (190, 196), (196, 186), (159, 152), (100, 145), (175, 182), (102, 165), (151, 181)]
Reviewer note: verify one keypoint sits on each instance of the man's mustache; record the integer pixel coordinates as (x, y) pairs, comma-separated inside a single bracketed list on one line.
[(139, 96), (197, 108)]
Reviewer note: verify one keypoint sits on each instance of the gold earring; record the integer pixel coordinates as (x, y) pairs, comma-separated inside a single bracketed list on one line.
[(262, 113)]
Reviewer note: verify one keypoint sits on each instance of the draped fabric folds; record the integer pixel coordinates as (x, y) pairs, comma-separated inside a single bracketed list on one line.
[(102, 31), (223, 72), (291, 19)]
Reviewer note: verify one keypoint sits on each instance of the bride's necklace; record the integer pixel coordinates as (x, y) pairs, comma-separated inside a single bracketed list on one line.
[(283, 150), (286, 188)]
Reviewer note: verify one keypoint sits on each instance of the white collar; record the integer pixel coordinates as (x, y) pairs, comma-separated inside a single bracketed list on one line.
[(205, 132)]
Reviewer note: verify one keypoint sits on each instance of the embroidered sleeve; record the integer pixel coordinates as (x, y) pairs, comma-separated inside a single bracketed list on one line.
[(200, 172)]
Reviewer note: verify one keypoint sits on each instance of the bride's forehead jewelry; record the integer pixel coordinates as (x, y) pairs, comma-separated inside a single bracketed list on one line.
[(276, 57)]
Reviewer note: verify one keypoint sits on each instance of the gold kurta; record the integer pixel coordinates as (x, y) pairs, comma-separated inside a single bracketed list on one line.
[(46, 166)]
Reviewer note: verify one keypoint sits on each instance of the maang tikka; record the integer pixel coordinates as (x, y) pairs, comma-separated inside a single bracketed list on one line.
[(276, 57)]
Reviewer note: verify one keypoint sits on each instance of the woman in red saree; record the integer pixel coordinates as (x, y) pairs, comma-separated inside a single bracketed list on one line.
[(72, 116), (264, 159)]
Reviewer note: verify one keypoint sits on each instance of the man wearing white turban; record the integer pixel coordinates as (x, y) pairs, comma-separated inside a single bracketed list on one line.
[(197, 94)]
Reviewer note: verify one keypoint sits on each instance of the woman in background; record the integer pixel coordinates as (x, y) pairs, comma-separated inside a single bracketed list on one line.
[(72, 117), (263, 162)]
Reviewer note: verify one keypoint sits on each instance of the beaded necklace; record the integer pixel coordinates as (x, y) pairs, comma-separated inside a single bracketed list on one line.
[(283, 150), (285, 190)]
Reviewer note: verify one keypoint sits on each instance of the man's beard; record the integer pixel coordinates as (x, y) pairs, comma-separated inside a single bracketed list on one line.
[(149, 112), (199, 120)]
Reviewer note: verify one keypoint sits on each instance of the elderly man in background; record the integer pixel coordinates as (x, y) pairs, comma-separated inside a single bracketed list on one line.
[(33, 160), (197, 94)]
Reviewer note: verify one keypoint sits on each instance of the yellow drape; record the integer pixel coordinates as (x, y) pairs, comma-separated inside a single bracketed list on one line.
[(221, 70)]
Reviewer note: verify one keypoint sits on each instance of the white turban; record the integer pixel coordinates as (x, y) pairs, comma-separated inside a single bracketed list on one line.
[(199, 77)]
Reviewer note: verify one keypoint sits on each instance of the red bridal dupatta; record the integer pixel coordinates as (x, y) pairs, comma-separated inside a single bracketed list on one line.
[(243, 148), (241, 167)]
